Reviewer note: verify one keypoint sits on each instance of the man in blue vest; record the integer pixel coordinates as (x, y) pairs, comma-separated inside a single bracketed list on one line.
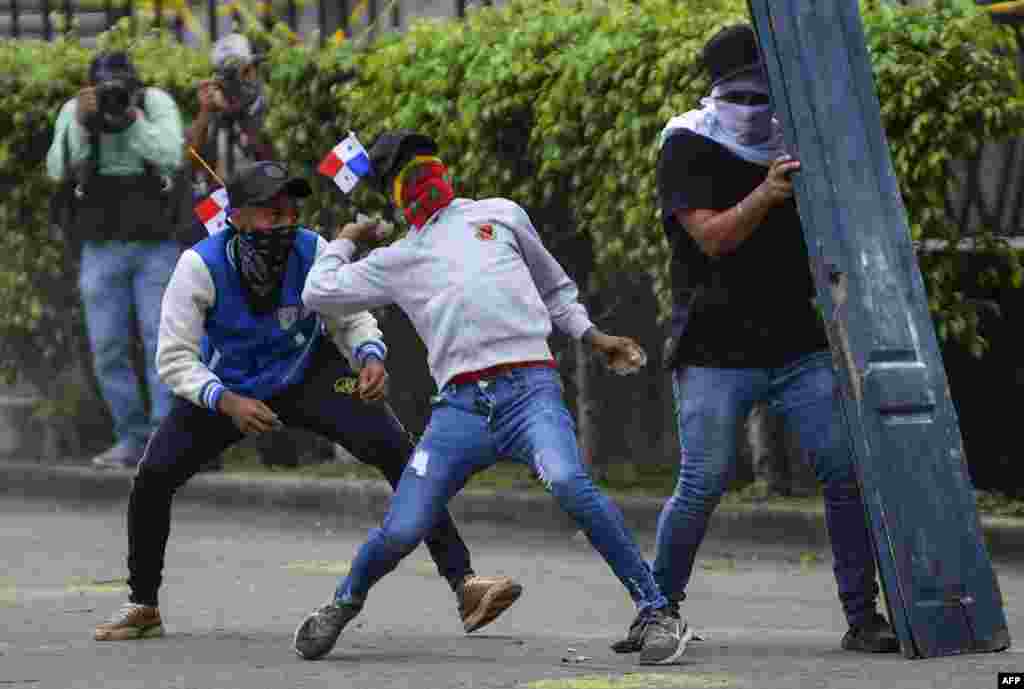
[(243, 357)]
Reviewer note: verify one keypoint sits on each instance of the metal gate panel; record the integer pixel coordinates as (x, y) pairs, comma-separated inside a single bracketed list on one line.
[(942, 591)]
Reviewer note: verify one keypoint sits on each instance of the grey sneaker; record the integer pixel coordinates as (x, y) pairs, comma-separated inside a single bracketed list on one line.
[(634, 640), (120, 456), (318, 633), (665, 639)]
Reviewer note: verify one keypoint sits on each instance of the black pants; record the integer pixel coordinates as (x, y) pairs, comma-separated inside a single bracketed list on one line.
[(190, 436)]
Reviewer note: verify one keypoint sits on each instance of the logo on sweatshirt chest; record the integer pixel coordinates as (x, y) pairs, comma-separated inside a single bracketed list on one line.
[(288, 316), (485, 232)]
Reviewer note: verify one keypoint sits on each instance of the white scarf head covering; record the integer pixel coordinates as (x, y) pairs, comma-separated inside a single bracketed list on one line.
[(749, 131)]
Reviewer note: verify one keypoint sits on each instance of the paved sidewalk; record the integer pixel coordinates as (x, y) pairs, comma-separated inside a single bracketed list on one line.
[(359, 500)]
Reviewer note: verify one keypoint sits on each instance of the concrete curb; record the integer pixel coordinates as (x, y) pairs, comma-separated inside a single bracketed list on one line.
[(799, 528)]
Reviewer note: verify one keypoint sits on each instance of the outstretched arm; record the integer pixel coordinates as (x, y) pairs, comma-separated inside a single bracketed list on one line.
[(338, 287)]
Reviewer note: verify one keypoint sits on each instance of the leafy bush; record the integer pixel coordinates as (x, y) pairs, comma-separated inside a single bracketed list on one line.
[(947, 83), (556, 104), (41, 331)]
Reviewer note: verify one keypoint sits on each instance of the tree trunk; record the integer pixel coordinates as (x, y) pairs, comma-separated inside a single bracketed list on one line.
[(586, 408)]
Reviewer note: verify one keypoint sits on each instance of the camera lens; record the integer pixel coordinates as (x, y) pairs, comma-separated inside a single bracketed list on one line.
[(114, 98), (114, 102)]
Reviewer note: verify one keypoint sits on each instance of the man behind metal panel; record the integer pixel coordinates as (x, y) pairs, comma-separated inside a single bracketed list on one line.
[(746, 330)]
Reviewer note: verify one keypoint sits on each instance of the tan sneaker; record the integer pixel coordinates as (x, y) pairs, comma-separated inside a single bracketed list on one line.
[(132, 621), (482, 599)]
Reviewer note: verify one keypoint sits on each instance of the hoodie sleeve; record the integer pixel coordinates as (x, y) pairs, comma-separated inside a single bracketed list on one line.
[(357, 334), (556, 288), (66, 127), (159, 136), (338, 287)]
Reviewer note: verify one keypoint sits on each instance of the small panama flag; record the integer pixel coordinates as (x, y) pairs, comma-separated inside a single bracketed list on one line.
[(347, 163), (213, 211)]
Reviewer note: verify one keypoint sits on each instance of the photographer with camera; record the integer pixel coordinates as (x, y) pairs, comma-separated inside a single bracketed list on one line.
[(227, 130), (115, 149)]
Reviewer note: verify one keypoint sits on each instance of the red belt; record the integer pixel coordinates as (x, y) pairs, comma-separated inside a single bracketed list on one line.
[(493, 371)]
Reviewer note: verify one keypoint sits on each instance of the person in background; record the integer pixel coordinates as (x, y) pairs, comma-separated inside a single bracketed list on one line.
[(120, 143)]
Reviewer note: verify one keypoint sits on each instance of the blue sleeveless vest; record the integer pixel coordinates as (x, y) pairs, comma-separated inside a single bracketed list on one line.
[(258, 355)]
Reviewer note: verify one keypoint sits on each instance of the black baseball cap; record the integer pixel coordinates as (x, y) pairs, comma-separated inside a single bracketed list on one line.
[(731, 52), (393, 149), (257, 183), (112, 65)]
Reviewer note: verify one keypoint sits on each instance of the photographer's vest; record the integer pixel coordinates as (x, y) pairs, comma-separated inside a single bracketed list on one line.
[(258, 355), (121, 207)]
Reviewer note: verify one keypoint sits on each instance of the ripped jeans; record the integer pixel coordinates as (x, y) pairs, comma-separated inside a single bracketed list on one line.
[(519, 415)]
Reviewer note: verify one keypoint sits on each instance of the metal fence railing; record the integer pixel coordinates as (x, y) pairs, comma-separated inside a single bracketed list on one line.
[(329, 15)]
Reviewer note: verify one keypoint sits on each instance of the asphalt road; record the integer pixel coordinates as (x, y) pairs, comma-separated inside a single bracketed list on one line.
[(238, 583)]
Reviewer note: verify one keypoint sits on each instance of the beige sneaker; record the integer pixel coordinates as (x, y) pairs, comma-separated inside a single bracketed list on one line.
[(132, 621), (482, 599)]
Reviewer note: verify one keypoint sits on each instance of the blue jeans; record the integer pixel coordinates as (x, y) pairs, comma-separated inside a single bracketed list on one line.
[(519, 415), (122, 284), (710, 404)]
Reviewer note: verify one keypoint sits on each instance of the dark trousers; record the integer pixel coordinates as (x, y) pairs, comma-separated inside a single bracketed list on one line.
[(190, 436)]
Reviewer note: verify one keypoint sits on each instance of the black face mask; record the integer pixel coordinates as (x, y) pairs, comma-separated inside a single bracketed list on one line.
[(262, 262)]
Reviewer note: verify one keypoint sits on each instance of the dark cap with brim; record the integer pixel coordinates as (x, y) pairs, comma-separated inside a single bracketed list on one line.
[(731, 52), (393, 149), (112, 65), (257, 183)]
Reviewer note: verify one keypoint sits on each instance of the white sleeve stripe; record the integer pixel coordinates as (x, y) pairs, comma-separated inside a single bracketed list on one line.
[(208, 393), (372, 347)]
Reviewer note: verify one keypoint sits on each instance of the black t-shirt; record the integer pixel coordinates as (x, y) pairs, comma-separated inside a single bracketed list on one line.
[(750, 308)]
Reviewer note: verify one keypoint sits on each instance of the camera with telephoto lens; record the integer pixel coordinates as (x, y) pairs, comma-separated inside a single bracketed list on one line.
[(239, 92), (114, 101), (229, 80)]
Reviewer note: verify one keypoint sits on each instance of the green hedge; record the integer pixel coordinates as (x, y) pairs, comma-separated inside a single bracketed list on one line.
[(554, 104)]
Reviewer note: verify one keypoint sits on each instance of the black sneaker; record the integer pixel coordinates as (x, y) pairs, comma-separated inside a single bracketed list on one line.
[(318, 633), (874, 636), (665, 639)]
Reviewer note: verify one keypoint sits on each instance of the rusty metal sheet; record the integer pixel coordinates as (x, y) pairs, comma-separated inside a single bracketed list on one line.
[(942, 591)]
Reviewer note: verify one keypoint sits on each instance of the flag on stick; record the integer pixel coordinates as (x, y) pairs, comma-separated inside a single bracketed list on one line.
[(213, 211), (347, 163)]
